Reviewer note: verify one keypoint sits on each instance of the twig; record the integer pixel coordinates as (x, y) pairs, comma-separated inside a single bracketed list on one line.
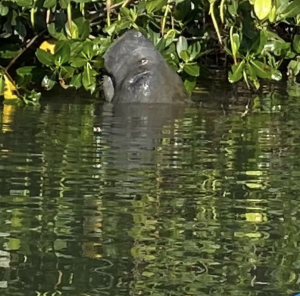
[(189, 38), (29, 43)]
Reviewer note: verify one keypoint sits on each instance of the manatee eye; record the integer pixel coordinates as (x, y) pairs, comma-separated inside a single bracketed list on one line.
[(143, 61)]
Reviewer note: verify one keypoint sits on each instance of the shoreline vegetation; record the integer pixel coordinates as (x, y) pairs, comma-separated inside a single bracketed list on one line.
[(45, 43)]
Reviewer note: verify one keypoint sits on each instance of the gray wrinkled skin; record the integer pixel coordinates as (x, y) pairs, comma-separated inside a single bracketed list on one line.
[(139, 73)]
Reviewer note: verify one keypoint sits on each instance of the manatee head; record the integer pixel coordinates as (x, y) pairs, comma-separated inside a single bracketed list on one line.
[(128, 53)]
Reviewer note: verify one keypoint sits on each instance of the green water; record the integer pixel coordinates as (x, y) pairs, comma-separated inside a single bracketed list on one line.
[(161, 201)]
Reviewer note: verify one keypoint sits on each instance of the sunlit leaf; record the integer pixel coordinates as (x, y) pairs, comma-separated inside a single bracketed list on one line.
[(72, 30), (48, 46), (236, 72), (276, 75), (181, 44), (262, 8), (190, 84), (194, 50), (235, 43), (3, 9), (185, 55), (10, 90), (49, 82)]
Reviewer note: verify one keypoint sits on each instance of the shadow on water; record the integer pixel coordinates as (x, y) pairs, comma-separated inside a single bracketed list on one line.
[(156, 200)]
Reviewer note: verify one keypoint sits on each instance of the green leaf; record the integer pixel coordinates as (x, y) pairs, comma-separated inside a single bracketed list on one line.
[(24, 3), (88, 50), (64, 3), (262, 42), (3, 9), (26, 70), (296, 43), (78, 62), (88, 78), (282, 5), (76, 81), (76, 47), (67, 72), (190, 84), (125, 11), (273, 14), (110, 29), (262, 8), (161, 45), (23, 81), (85, 30), (251, 72), (98, 63), (194, 50), (49, 3), (155, 5), (9, 54), (62, 52), (192, 70), (44, 57), (292, 10), (182, 8), (185, 56), (57, 35), (236, 72), (293, 68), (83, 27), (262, 70), (181, 45), (21, 29)]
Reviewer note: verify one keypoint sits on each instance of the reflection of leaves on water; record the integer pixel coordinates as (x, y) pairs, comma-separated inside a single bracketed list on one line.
[(105, 264), (101, 280)]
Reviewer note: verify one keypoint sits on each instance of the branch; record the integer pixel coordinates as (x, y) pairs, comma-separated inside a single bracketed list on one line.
[(29, 43)]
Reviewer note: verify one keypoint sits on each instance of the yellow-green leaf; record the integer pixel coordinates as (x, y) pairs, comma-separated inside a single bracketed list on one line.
[(262, 8)]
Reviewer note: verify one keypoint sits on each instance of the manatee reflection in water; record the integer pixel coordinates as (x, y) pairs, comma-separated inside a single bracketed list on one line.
[(136, 130)]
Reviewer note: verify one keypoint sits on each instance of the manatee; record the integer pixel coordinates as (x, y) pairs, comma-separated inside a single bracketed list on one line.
[(138, 73)]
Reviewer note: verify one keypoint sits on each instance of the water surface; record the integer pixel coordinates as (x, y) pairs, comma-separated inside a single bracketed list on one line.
[(150, 201)]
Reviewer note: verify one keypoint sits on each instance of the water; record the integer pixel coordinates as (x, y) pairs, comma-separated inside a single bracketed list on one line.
[(170, 201)]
